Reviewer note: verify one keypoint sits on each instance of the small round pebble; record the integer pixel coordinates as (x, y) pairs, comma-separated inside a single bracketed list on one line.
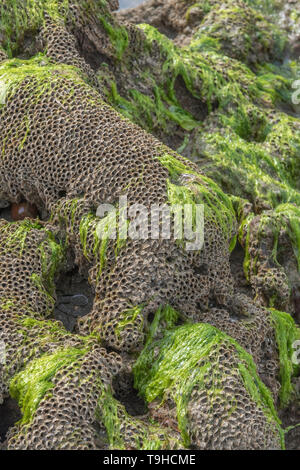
[(22, 210)]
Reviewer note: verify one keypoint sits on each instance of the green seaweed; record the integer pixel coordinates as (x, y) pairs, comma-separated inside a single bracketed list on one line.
[(129, 317), (30, 385), (200, 189), (168, 367), (84, 229), (251, 27), (114, 417), (261, 174), (285, 217), (289, 215), (14, 72), (16, 239), (118, 35), (18, 18), (286, 334), (52, 255), (151, 113), (104, 232)]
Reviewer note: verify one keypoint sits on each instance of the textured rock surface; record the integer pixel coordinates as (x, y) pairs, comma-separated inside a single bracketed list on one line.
[(66, 150), (236, 119)]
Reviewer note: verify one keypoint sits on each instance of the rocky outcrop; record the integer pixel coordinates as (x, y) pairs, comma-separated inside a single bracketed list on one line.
[(66, 150)]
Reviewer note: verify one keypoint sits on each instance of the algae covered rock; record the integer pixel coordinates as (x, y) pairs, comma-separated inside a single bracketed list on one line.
[(237, 28), (86, 179), (243, 127), (94, 111), (208, 382), (62, 381)]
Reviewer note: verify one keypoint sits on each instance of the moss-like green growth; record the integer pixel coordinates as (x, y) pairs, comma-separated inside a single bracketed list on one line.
[(52, 255), (118, 35), (150, 113), (286, 334), (285, 217), (241, 32), (51, 252), (31, 385), (210, 76), (165, 319), (130, 317), (266, 6), (104, 234), (39, 68), (99, 237), (85, 228), (198, 189), (247, 259), (116, 420), (169, 367), (19, 19), (289, 217), (156, 110), (250, 170), (15, 234)]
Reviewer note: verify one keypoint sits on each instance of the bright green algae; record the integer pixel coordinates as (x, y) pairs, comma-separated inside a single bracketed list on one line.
[(18, 18), (246, 144), (115, 419), (285, 217), (105, 233), (150, 113), (129, 317), (46, 75), (157, 112), (208, 76), (51, 252), (117, 34), (252, 29), (239, 129), (30, 385), (253, 171), (16, 239), (200, 189), (168, 366), (286, 334)]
